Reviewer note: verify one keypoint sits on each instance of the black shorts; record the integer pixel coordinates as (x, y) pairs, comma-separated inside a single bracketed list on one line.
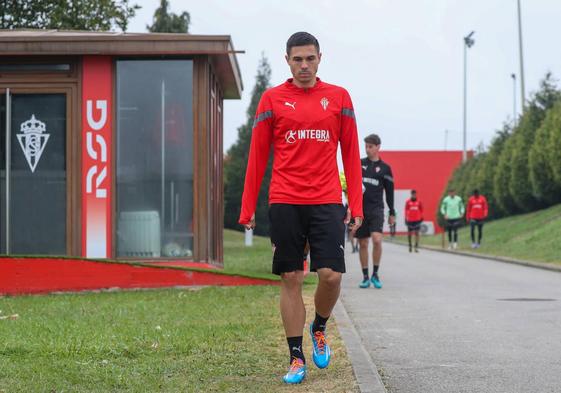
[(373, 222), (477, 222), (453, 224), (321, 225), (413, 226)]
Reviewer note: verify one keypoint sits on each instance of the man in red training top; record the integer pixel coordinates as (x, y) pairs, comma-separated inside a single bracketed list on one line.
[(413, 219), (477, 211), (305, 120)]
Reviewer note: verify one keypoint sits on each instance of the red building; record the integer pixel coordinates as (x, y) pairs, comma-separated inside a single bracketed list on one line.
[(427, 172), (111, 144), (111, 148)]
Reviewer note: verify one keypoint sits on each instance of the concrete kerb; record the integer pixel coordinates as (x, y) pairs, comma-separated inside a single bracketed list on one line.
[(366, 372), (537, 265)]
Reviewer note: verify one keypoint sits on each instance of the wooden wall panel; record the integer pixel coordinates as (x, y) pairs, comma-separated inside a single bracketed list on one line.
[(200, 142)]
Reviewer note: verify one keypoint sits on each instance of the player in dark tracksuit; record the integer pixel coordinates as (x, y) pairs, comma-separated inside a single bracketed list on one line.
[(377, 177)]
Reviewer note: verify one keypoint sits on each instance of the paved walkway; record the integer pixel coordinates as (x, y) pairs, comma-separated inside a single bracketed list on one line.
[(449, 323)]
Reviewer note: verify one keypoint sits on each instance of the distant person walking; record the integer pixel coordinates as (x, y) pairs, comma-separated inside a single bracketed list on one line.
[(477, 211), (413, 219), (453, 210), (377, 177)]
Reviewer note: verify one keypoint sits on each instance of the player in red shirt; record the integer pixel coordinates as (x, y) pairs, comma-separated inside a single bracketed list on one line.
[(413, 219), (305, 120), (477, 211)]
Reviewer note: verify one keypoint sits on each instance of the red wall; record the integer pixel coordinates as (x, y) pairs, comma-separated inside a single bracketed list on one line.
[(97, 92), (20, 276), (427, 172)]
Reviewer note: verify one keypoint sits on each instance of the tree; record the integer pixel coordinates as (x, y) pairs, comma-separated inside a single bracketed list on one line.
[(166, 22), (488, 168), (462, 182), (544, 159), (473, 180), (518, 177), (519, 184), (91, 15), (552, 124), (236, 162), (501, 178)]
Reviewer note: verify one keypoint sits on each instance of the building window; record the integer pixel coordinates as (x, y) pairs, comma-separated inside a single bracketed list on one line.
[(33, 184), (154, 158)]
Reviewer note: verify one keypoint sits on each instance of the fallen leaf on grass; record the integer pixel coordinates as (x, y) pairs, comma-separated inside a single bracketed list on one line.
[(155, 345)]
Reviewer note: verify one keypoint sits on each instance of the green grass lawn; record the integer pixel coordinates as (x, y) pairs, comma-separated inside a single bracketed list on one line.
[(534, 237), (214, 339)]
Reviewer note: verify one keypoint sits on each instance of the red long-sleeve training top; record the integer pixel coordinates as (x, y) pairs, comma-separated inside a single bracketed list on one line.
[(304, 127), (477, 208), (413, 210)]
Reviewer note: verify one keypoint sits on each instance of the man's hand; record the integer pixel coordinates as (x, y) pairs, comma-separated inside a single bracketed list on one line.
[(391, 220), (251, 223), (357, 222), (446, 216), (347, 217)]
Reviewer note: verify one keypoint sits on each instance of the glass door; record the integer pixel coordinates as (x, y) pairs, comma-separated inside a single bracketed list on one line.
[(33, 173)]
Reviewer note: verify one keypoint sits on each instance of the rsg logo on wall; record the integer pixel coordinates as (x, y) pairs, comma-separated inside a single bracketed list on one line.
[(96, 174), (96, 156)]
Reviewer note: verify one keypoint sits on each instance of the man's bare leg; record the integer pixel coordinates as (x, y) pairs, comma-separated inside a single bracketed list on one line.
[(376, 258), (363, 252), (327, 291), (377, 249), (292, 307)]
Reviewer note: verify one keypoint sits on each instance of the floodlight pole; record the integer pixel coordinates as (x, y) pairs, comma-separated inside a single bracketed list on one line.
[(468, 43), (522, 89), (513, 76)]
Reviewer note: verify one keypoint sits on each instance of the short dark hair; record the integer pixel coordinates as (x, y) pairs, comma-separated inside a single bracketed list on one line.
[(476, 191), (373, 139), (413, 191), (301, 38)]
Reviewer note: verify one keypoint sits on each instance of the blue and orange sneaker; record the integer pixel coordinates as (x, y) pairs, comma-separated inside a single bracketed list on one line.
[(296, 373), (321, 353)]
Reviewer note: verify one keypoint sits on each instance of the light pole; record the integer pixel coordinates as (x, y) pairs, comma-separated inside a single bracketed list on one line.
[(522, 91), (468, 43), (513, 76)]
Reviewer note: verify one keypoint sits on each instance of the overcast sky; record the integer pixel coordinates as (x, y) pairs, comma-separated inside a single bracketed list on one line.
[(401, 60)]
